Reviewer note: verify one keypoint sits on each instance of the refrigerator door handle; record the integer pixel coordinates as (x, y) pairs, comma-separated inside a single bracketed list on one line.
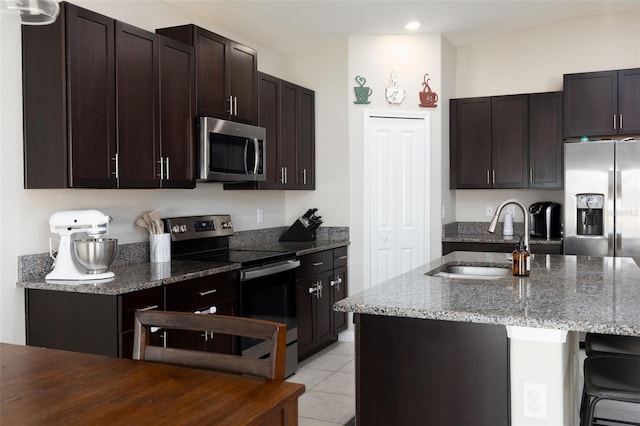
[(617, 224)]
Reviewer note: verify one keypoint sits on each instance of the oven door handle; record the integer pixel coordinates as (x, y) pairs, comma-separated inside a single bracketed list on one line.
[(263, 271)]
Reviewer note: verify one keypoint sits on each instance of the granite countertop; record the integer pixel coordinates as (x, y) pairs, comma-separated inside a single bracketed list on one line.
[(579, 293), (130, 277)]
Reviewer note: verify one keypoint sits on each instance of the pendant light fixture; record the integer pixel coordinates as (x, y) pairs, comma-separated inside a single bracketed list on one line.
[(32, 12)]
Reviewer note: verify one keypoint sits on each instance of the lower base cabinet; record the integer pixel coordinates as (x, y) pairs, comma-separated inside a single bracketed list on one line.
[(103, 324), (321, 282), (415, 372)]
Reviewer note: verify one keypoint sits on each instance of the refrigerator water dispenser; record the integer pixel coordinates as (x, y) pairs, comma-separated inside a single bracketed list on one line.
[(589, 211)]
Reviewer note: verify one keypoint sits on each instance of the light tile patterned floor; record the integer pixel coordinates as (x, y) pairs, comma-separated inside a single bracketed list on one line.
[(329, 377)]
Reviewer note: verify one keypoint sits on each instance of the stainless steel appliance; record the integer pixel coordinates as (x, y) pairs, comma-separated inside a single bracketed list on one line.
[(267, 280), (89, 260), (602, 198), (545, 220), (230, 152)]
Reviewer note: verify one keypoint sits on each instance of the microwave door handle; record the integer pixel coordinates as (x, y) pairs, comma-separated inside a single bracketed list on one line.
[(256, 147), (246, 145), (204, 148)]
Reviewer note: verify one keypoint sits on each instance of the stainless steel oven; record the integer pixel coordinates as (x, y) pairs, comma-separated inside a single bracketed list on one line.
[(266, 279)]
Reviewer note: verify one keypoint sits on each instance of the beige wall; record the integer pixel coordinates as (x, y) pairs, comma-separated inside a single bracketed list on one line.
[(534, 61)]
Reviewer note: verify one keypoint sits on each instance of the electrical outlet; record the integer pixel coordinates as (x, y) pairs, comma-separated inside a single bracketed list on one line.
[(489, 211), (534, 400), (260, 216)]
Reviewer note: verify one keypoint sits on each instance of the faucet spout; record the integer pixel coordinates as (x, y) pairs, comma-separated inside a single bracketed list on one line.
[(525, 214)]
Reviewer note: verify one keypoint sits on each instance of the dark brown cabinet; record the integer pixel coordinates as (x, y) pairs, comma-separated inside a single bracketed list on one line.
[(101, 124), (545, 140), (216, 294), (226, 76), (92, 323), (318, 287), (510, 141), (604, 103), (287, 112)]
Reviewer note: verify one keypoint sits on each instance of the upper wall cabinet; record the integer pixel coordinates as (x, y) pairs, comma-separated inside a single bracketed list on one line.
[(93, 105), (227, 74), (509, 141), (602, 103), (287, 112)]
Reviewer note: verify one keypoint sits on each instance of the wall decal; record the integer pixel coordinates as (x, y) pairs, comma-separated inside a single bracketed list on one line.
[(394, 92), (428, 97), (362, 92)]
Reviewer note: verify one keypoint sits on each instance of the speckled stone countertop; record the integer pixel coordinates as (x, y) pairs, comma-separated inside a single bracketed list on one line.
[(133, 271), (476, 232), (576, 293)]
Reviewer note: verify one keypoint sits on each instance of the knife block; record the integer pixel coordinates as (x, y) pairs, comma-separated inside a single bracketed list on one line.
[(298, 232)]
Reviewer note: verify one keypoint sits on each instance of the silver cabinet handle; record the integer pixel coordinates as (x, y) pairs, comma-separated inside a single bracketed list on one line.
[(312, 289), (620, 121), (116, 173), (319, 286), (282, 175), (304, 176), (235, 108), (161, 168), (230, 111), (614, 122), (488, 179), (318, 263), (493, 174), (148, 308), (531, 175), (343, 257), (285, 174), (167, 173), (204, 293), (336, 283)]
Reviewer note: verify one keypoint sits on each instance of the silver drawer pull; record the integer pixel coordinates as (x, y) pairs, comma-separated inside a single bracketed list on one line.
[(208, 311), (342, 257), (148, 308), (204, 293), (318, 263)]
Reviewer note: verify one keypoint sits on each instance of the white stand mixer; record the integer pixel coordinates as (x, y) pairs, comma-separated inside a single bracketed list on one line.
[(67, 223)]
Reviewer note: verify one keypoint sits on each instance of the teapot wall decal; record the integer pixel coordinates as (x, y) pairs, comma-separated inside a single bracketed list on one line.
[(428, 97)]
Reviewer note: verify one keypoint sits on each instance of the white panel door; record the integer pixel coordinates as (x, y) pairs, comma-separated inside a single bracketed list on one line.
[(398, 195)]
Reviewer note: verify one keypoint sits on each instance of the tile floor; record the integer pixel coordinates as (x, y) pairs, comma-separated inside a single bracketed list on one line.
[(329, 377)]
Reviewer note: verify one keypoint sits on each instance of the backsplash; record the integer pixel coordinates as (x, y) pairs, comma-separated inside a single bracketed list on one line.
[(457, 228)]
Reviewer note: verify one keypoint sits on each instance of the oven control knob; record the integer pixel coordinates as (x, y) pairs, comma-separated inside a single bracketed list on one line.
[(183, 228), (227, 225), (175, 229)]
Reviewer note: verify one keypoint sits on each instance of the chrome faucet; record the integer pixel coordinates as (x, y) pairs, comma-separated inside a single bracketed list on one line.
[(496, 216)]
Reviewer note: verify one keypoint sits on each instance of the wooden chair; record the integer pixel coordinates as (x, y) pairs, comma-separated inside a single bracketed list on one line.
[(271, 368)]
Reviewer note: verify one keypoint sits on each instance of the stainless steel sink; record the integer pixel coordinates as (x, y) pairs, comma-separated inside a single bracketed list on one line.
[(471, 272)]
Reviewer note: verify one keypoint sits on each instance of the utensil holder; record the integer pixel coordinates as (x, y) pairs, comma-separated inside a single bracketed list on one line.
[(160, 247)]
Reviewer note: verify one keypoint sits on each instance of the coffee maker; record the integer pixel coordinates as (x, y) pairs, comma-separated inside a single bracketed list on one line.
[(545, 220)]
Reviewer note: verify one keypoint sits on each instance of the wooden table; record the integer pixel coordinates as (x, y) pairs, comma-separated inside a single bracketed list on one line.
[(49, 386)]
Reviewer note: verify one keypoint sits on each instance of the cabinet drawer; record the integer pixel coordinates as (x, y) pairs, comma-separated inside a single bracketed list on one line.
[(314, 263), (201, 293), (151, 298), (340, 257)]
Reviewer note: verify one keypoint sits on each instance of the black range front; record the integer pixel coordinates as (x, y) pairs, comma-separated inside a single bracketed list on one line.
[(266, 278)]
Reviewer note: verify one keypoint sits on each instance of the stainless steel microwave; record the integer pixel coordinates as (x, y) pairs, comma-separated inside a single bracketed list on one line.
[(230, 152)]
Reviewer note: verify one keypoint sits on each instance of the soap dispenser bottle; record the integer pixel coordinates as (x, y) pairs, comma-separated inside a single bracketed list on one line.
[(521, 260)]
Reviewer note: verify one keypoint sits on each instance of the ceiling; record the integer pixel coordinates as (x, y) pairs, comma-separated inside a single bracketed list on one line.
[(288, 26)]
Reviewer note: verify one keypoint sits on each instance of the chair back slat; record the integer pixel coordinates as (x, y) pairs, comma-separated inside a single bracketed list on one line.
[(272, 367)]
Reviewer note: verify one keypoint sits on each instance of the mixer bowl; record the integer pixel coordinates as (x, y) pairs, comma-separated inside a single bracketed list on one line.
[(95, 254)]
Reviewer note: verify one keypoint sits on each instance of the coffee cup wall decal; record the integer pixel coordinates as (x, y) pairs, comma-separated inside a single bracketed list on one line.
[(362, 92), (428, 97)]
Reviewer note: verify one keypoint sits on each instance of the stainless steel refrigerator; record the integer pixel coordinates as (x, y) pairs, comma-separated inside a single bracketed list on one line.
[(602, 198)]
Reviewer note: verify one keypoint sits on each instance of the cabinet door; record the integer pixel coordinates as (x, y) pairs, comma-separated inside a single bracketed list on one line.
[(470, 143), (287, 149), (243, 81), (177, 114), (590, 104), (91, 98), (324, 309), (545, 140), (305, 311), (629, 101), (269, 118), (138, 113), (339, 292), (306, 140), (212, 74), (509, 134)]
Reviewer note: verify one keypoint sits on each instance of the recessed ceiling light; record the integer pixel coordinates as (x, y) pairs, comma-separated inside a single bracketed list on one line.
[(413, 25)]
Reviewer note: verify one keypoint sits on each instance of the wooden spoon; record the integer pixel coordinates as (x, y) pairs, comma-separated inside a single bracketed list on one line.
[(149, 221), (155, 217), (142, 223)]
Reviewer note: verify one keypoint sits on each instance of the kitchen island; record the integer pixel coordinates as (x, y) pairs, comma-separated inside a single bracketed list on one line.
[(487, 351)]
